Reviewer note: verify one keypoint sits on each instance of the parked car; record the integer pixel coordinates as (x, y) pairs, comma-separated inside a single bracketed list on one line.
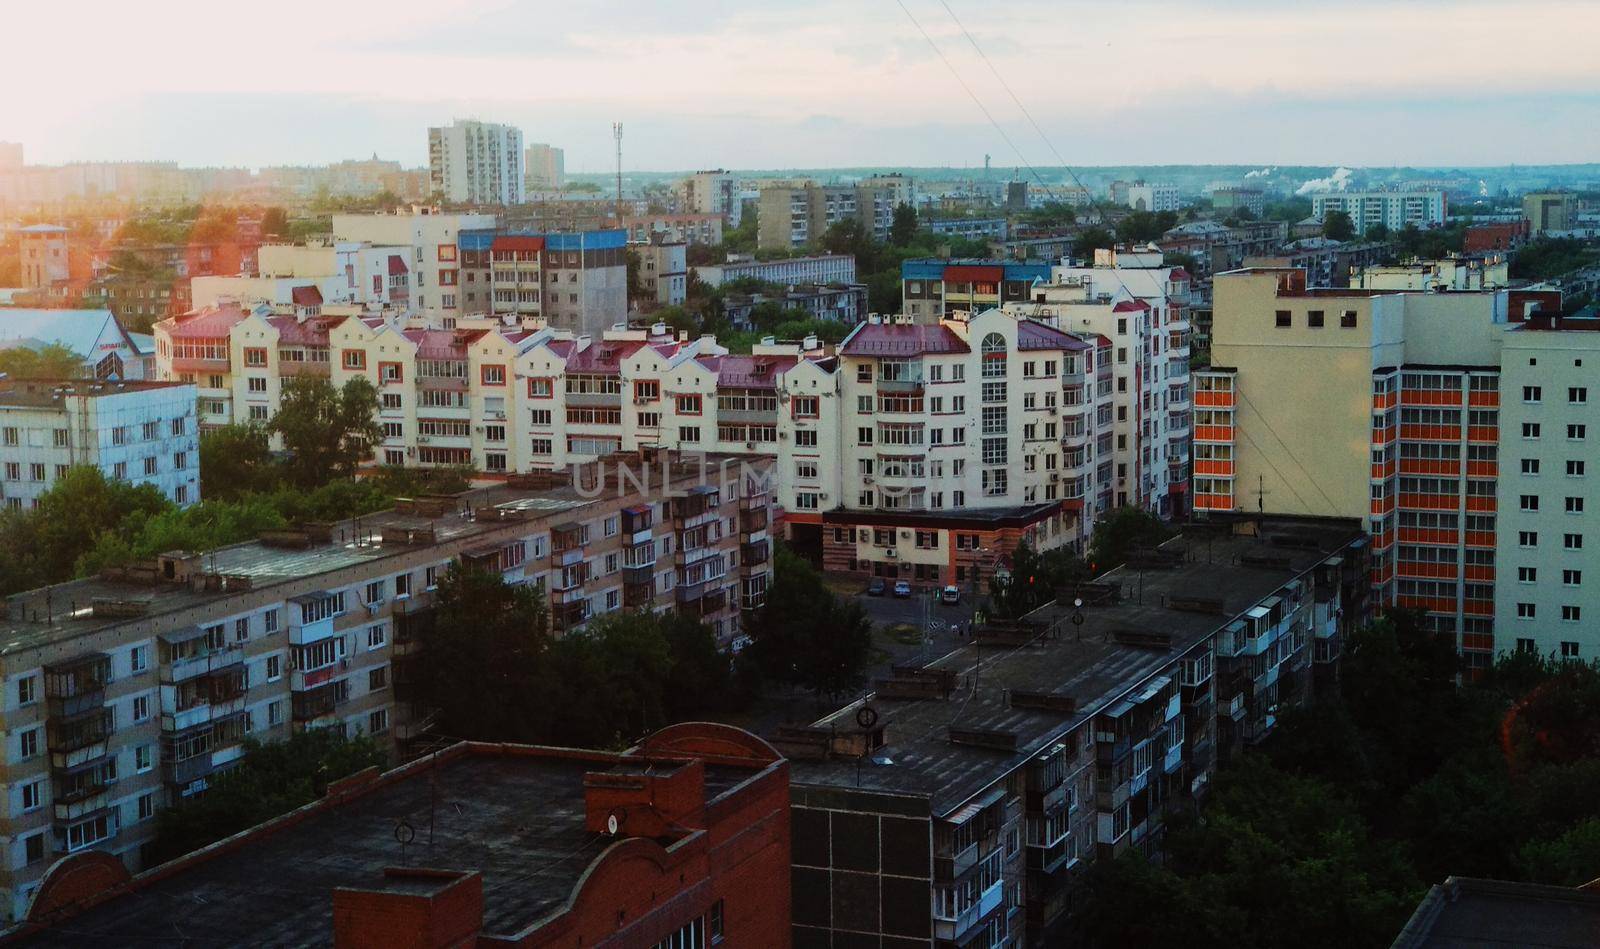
[(902, 589), (876, 587), (950, 595)]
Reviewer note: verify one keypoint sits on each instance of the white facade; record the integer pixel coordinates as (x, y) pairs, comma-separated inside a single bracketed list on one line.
[(434, 260), (142, 433), (710, 192), (546, 167), (349, 272), (476, 163), (1393, 209), (1143, 197), (826, 268)]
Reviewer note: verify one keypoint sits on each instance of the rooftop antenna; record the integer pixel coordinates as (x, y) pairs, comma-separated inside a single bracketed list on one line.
[(616, 132)]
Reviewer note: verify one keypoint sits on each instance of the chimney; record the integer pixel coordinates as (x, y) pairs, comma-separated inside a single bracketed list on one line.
[(654, 803), (410, 908)]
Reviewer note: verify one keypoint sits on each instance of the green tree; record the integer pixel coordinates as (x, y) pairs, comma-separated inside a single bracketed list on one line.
[(141, 535), (1036, 579), (742, 239), (903, 229), (847, 236), (1377, 231), (1051, 214), (1337, 226), (274, 222), (1090, 240), (485, 643), (272, 779), (805, 635), (327, 431), (1120, 532), (1141, 226), (51, 361), (236, 459)]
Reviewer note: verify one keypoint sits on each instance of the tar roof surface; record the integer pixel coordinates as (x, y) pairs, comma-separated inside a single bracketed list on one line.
[(1468, 914), (518, 819), (69, 612), (1084, 662)]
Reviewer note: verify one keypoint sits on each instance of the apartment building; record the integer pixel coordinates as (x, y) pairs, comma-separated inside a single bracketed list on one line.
[(933, 289), (139, 432), (797, 214), (703, 229), (1550, 211), (960, 804), (971, 228), (1216, 247), (961, 441), (476, 163), (710, 192), (1327, 263), (1488, 272), (822, 268), (127, 691), (1140, 303), (436, 287), (1404, 414), (43, 252), (1153, 197), (663, 269), (1250, 200), (1393, 209), (354, 273), (682, 841), (843, 303), (545, 167)]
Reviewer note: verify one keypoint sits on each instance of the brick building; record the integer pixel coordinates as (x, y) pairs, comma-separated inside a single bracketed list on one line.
[(682, 841)]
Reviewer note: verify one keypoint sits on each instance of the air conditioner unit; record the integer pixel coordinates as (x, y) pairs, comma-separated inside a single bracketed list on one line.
[(749, 446), (866, 479), (423, 439), (822, 495), (889, 552), (477, 428)]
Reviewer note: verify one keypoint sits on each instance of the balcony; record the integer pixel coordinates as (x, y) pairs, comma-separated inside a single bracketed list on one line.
[(566, 616), (317, 702), (753, 600), (637, 596), (753, 521), (75, 739), (952, 928), (82, 791), (905, 385), (211, 662), (754, 554), (77, 685), (317, 370)]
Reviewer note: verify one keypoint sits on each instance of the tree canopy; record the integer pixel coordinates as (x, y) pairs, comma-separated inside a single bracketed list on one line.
[(1337, 226), (326, 431), (1120, 532), (51, 361), (805, 635)]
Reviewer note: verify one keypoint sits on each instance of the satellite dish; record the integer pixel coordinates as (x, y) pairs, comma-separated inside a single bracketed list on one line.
[(614, 822)]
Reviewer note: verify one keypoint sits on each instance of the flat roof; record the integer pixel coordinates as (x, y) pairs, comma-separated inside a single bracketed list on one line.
[(56, 613), (1467, 913), (39, 393), (1084, 662), (512, 813)]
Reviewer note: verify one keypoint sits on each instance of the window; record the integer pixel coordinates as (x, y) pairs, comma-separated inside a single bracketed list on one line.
[(1532, 394), (1575, 468), (274, 668), (1578, 395), (1527, 574), (1526, 611), (1572, 541), (1574, 505), (31, 796), (378, 679), (689, 404), (378, 722), (689, 434), (1569, 650), (147, 805), (27, 690), (494, 375), (28, 743), (1527, 538), (1282, 319), (143, 758), (377, 635), (1347, 319), (1530, 466), (275, 712), (241, 629), (1572, 578), (714, 922), (354, 359), (33, 848), (1530, 430), (141, 708), (1314, 319), (1529, 502), (1577, 432)]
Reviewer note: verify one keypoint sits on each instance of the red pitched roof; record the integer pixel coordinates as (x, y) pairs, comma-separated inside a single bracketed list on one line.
[(749, 372), (307, 295), (603, 357), (210, 323), (302, 332), (397, 265), (901, 339), (1178, 273), (1130, 306), (1032, 335), (517, 242)]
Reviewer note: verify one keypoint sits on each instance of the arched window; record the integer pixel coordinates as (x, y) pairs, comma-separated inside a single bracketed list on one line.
[(994, 344), (994, 356)]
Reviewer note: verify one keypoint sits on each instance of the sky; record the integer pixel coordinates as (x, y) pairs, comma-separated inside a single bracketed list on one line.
[(811, 83)]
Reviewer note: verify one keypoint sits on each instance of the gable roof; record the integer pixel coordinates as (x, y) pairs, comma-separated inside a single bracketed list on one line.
[(902, 339), (1034, 335), (77, 330)]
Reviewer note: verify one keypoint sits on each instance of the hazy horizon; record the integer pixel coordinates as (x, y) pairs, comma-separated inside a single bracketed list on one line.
[(783, 84)]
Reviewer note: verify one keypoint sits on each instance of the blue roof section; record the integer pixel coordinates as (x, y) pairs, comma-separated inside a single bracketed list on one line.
[(475, 239), (587, 240), (922, 269), (1032, 270), (78, 330)]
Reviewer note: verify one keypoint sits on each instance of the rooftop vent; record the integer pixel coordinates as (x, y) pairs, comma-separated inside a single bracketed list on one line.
[(991, 739), (1197, 604), (1043, 701), (1143, 638)]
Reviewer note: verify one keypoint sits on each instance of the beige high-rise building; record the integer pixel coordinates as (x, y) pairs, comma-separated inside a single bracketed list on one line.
[(545, 166)]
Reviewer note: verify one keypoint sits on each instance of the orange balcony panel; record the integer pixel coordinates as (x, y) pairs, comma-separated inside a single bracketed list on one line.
[(1426, 571), (1214, 433), (1483, 469), (1384, 401), (1479, 503), (1480, 574), (1431, 433), (1480, 641), (1426, 466), (1480, 539), (1478, 607), (1483, 399), (1430, 397), (1224, 468), (1222, 400), (1429, 502), (1483, 433)]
